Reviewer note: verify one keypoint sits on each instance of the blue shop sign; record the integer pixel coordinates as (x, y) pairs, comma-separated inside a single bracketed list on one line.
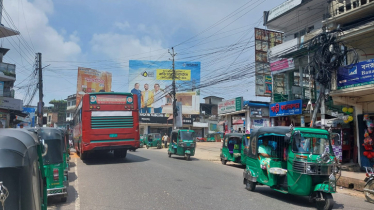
[(286, 108), (360, 74)]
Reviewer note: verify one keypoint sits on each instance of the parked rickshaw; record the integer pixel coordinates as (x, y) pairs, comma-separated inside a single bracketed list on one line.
[(141, 141), (182, 143), (66, 153), (153, 140), (233, 148), (54, 165), (21, 171), (214, 137), (298, 161)]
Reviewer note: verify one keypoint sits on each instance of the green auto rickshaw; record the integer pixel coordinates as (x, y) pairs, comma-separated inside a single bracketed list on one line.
[(22, 179), (153, 140), (182, 143), (214, 137), (54, 166), (233, 148), (298, 161), (66, 153), (141, 141)]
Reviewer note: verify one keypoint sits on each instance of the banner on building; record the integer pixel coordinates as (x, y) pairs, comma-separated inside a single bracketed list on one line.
[(30, 118), (91, 81), (231, 105), (286, 108), (258, 123), (264, 40), (360, 74), (152, 82)]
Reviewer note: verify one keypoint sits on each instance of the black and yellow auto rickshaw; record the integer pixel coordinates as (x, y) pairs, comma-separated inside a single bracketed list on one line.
[(54, 166), (21, 171), (297, 161), (233, 146)]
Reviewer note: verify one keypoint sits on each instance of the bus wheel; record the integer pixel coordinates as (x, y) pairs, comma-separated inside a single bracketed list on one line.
[(83, 156)]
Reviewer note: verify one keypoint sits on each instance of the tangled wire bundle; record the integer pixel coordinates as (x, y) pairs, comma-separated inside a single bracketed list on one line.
[(329, 56)]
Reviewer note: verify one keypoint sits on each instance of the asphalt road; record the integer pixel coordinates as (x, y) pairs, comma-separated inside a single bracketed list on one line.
[(148, 179)]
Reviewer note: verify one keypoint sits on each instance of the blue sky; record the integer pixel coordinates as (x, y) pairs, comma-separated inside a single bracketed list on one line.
[(105, 35)]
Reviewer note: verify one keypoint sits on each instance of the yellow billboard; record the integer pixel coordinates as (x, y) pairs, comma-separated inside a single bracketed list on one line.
[(91, 80), (167, 74)]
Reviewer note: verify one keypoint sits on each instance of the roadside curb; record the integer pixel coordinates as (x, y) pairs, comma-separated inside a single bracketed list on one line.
[(351, 183)]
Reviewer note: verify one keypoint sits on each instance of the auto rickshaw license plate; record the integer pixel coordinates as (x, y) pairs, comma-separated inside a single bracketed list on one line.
[(113, 135)]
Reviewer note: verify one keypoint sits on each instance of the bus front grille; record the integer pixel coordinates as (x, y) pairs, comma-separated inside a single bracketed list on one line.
[(107, 122)]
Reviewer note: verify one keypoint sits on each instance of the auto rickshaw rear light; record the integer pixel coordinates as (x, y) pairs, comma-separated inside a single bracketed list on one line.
[(55, 174)]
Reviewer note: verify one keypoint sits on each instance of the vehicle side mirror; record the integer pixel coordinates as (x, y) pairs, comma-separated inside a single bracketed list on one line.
[(44, 147), (287, 138)]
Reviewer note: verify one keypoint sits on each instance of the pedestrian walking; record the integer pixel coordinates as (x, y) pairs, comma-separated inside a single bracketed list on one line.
[(165, 140)]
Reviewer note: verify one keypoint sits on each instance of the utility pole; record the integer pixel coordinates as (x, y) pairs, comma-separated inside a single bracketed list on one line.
[(173, 91), (40, 86)]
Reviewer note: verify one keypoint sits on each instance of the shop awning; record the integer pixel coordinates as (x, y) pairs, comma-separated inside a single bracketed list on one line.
[(238, 122), (221, 122)]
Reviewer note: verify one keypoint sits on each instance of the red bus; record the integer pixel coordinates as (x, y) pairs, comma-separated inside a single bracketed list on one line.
[(106, 122)]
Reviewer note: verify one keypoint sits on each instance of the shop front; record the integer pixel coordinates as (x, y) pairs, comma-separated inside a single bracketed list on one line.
[(159, 123)]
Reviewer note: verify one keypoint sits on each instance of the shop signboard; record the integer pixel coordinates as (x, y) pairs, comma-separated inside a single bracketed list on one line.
[(256, 112), (359, 75), (231, 105), (264, 40), (282, 8), (11, 103), (282, 65), (286, 108), (258, 123), (91, 80), (152, 82)]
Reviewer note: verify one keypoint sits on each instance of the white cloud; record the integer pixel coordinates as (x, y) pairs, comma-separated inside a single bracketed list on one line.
[(31, 19), (122, 26)]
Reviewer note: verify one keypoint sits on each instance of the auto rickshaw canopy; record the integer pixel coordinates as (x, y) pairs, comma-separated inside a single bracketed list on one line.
[(55, 141)]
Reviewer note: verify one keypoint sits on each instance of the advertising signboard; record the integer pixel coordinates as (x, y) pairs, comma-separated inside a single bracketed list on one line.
[(258, 123), (91, 80), (286, 108), (152, 82), (231, 105), (264, 40), (11, 103), (282, 8), (30, 119), (360, 74)]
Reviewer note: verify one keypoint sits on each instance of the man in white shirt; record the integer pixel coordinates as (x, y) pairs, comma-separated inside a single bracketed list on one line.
[(159, 99)]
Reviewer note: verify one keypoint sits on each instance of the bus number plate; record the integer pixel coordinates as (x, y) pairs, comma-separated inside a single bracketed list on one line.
[(113, 135)]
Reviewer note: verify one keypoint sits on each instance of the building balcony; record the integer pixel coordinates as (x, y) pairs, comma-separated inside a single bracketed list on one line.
[(348, 11), (7, 72), (71, 108)]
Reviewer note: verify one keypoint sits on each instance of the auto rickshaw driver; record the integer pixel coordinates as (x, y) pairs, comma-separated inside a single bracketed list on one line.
[(264, 151)]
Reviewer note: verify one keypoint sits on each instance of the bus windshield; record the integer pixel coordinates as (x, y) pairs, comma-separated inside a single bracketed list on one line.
[(312, 143), (186, 135)]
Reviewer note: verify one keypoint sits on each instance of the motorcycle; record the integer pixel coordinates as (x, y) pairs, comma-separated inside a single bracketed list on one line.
[(369, 186)]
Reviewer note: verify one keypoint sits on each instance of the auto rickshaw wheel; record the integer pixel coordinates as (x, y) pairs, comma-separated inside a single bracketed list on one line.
[(188, 157), (326, 203), (250, 186), (169, 154), (223, 161), (147, 146), (64, 199)]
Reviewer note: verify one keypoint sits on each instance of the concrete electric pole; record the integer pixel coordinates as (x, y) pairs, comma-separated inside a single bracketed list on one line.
[(40, 86), (173, 91)]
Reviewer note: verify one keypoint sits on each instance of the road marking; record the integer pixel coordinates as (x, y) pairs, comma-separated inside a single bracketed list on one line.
[(77, 200)]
